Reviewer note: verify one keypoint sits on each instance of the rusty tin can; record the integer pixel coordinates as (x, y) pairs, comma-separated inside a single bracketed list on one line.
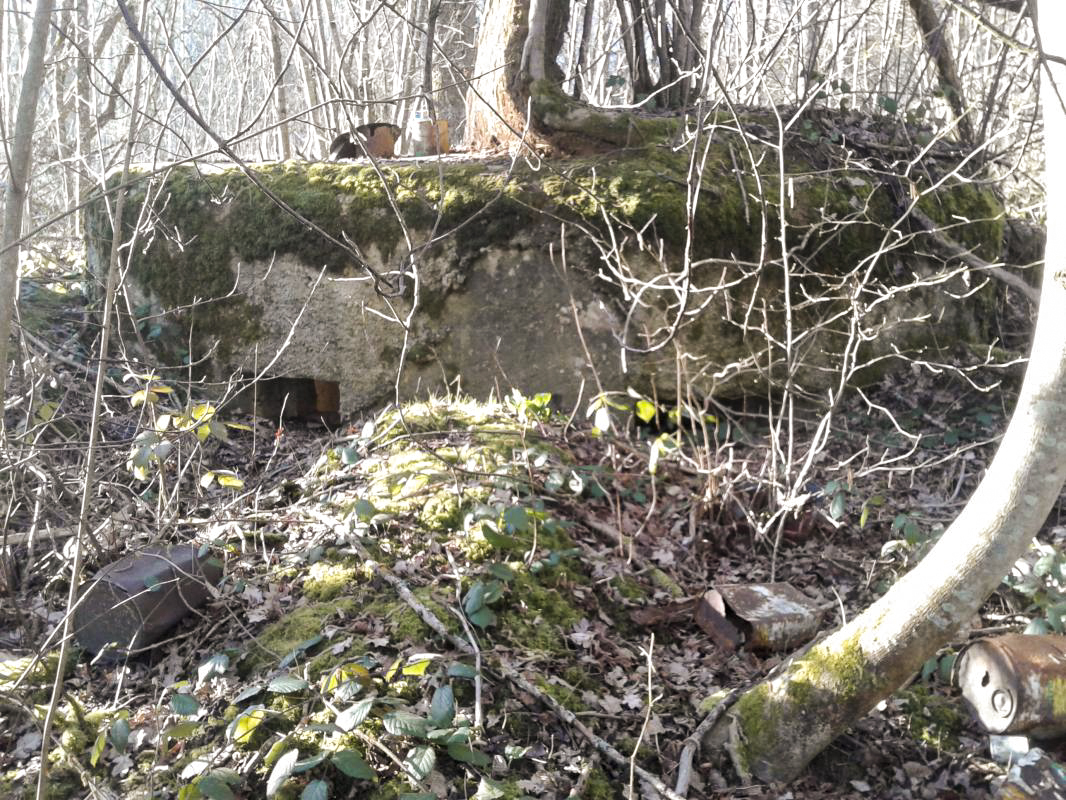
[(132, 602), (1016, 683), (767, 616)]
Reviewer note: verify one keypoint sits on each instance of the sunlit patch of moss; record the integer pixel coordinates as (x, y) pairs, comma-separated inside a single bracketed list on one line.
[(537, 617), (328, 579), (280, 638), (932, 719), (567, 697)]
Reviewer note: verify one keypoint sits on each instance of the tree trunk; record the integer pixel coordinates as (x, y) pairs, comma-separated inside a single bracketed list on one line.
[(936, 45), (15, 196), (778, 726), (508, 60)]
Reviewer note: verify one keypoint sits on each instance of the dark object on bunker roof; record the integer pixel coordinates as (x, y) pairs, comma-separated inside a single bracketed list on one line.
[(380, 142), (132, 602)]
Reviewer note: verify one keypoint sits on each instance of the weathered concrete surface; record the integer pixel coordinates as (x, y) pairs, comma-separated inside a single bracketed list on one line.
[(498, 306)]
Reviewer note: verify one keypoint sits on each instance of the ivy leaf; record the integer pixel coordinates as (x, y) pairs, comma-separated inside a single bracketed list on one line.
[(475, 598), (315, 790), (120, 734), (516, 519), (489, 789), (184, 704), (352, 764), (420, 761), (286, 684), (442, 707), (353, 716), (462, 671), (299, 651), (463, 752), (215, 665), (248, 693), (281, 772), (483, 617), (404, 723), (213, 787), (305, 764)]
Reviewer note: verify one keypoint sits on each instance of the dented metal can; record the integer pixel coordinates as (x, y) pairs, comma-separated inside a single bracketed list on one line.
[(132, 602), (766, 616), (1016, 684)]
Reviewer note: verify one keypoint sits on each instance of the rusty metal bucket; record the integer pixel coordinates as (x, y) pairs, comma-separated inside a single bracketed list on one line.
[(132, 602), (1016, 683)]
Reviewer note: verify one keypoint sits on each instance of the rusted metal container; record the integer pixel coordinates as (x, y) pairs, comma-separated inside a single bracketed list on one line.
[(765, 616), (132, 602), (1016, 684)]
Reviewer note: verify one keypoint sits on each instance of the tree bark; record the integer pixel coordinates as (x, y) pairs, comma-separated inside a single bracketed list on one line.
[(508, 60), (936, 45), (778, 726), (18, 177)]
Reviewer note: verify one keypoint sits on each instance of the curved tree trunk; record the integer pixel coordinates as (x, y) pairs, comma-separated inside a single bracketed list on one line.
[(778, 726)]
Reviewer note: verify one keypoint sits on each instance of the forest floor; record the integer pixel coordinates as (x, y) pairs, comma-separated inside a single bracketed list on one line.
[(461, 599)]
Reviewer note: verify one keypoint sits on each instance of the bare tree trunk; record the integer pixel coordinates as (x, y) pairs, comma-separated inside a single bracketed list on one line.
[(936, 45), (508, 60), (778, 726), (18, 176), (583, 48), (284, 137)]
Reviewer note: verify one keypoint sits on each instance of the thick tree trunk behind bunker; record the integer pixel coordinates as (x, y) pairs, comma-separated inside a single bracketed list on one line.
[(778, 726), (517, 44)]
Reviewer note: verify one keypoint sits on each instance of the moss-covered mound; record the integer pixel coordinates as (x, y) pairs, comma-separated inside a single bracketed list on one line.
[(759, 266)]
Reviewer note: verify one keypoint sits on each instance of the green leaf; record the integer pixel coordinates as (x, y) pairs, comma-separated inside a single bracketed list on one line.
[(184, 704), (352, 717), (120, 734), (305, 764), (350, 455), (839, 505), (248, 693), (215, 665), (245, 723), (463, 752), (462, 671), (315, 790), (215, 788), (352, 764), (483, 617), (516, 519), (489, 789), (281, 772), (418, 664), (475, 598), (404, 723), (286, 684), (182, 730), (502, 571), (442, 707), (299, 651), (645, 411), (365, 510), (420, 761), (500, 541), (98, 748)]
